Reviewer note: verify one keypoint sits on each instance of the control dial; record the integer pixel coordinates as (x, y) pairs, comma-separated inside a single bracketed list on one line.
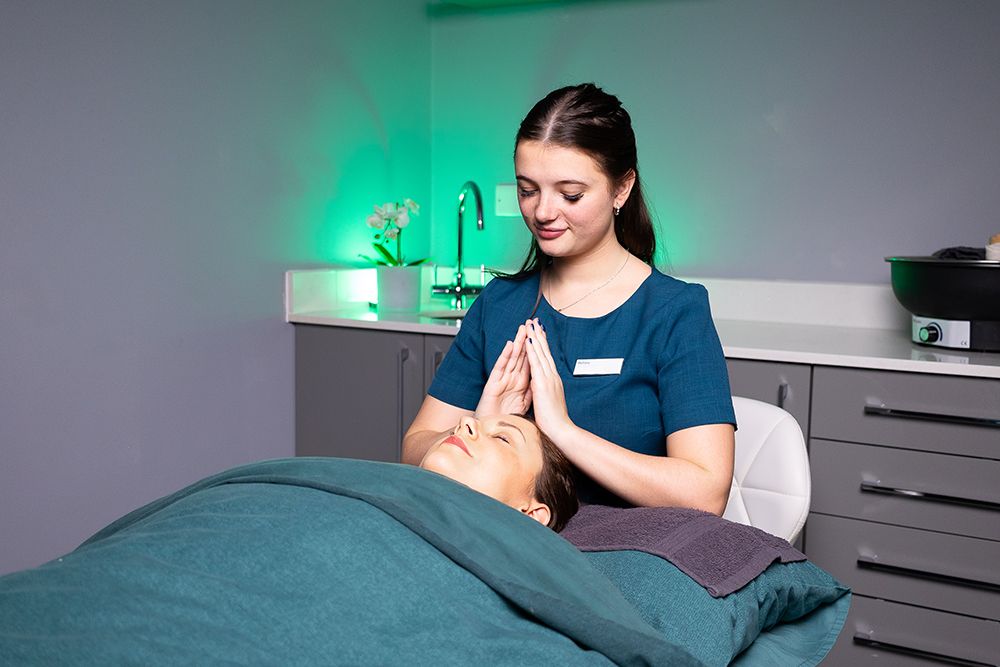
[(930, 333)]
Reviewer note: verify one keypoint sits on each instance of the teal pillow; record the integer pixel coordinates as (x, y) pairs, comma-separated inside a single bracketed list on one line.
[(716, 630)]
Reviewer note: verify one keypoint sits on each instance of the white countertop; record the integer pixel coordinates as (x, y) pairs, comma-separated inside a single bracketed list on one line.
[(794, 324), (361, 316), (882, 349)]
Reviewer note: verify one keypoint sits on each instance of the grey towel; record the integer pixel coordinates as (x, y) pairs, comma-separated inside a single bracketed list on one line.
[(720, 555)]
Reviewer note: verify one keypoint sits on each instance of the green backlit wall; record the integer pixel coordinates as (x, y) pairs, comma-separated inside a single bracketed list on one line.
[(778, 139), (361, 136)]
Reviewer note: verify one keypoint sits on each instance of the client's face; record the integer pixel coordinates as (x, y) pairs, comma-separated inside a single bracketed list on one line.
[(499, 456)]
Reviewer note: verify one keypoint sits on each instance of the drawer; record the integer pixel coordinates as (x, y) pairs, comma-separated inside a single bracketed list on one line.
[(897, 635), (951, 494), (781, 384), (952, 415), (947, 572)]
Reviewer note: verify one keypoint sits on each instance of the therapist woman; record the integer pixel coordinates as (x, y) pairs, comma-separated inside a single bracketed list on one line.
[(620, 363)]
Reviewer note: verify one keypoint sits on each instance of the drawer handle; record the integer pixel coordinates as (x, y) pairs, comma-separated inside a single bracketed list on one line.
[(878, 411), (866, 563), (782, 394), (404, 354), (865, 640), (875, 487)]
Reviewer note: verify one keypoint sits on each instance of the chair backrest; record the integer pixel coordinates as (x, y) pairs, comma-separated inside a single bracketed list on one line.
[(771, 483)]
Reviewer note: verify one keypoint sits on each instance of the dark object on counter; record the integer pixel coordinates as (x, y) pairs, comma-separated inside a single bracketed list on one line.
[(960, 290), (960, 252), (951, 289)]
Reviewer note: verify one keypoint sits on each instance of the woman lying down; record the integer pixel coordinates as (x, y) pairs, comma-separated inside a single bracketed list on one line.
[(340, 561), (508, 458), (348, 562)]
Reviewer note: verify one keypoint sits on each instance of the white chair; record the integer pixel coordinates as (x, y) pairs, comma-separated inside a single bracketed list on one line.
[(771, 483)]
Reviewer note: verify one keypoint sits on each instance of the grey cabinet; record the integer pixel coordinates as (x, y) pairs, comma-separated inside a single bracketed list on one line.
[(785, 385), (435, 347), (356, 390), (888, 634), (906, 511)]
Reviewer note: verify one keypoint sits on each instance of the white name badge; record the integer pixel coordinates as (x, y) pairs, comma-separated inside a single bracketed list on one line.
[(598, 367)]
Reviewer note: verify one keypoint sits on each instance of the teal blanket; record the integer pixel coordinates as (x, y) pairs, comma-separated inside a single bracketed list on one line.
[(324, 561)]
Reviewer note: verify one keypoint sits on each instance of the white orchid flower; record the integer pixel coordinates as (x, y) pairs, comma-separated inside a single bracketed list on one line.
[(412, 205), (375, 220), (391, 233), (402, 218)]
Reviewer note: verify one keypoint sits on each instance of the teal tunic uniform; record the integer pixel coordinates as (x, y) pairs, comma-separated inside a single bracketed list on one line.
[(673, 373)]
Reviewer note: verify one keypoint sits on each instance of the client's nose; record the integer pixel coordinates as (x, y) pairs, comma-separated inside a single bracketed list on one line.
[(468, 426)]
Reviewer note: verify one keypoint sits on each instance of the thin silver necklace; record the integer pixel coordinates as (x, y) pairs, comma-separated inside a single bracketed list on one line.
[(599, 287)]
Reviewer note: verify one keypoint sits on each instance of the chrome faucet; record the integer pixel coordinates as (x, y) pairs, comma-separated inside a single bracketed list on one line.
[(458, 290)]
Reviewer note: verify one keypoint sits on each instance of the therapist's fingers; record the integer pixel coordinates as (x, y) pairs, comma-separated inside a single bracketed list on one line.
[(539, 364), (516, 350), (548, 398), (535, 364), (500, 366), (542, 340), (521, 366)]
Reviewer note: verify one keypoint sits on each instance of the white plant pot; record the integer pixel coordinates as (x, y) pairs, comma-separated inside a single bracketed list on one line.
[(398, 288)]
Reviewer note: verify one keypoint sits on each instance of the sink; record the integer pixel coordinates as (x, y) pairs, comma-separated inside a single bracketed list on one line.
[(444, 314)]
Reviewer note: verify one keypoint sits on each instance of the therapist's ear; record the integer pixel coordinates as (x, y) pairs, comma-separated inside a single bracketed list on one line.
[(624, 189), (540, 512)]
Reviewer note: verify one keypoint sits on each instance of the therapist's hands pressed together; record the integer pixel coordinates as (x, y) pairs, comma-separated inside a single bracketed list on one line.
[(549, 398), (508, 389)]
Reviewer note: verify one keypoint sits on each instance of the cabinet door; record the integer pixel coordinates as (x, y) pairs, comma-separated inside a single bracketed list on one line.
[(902, 487), (435, 347), (887, 634), (356, 391), (933, 413), (934, 570), (785, 385)]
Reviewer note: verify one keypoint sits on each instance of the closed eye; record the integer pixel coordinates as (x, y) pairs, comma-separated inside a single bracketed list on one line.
[(503, 437), (576, 197), (524, 192)]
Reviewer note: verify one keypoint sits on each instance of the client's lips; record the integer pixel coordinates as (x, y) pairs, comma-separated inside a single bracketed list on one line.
[(457, 441)]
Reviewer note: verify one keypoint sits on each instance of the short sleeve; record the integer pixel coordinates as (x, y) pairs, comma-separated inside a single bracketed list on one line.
[(692, 376), (460, 378)]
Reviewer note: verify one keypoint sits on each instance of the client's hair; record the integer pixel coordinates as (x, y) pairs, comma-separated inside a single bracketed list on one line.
[(555, 485)]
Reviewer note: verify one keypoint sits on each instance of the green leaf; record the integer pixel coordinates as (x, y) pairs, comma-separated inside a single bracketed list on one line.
[(377, 262), (418, 262), (389, 259)]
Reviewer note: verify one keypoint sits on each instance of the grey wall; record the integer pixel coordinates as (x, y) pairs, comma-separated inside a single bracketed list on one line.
[(161, 164), (778, 139)]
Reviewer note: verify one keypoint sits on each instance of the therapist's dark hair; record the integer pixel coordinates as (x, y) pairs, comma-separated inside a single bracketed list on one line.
[(555, 485), (588, 119)]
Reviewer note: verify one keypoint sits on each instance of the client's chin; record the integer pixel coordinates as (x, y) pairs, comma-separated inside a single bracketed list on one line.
[(445, 462)]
